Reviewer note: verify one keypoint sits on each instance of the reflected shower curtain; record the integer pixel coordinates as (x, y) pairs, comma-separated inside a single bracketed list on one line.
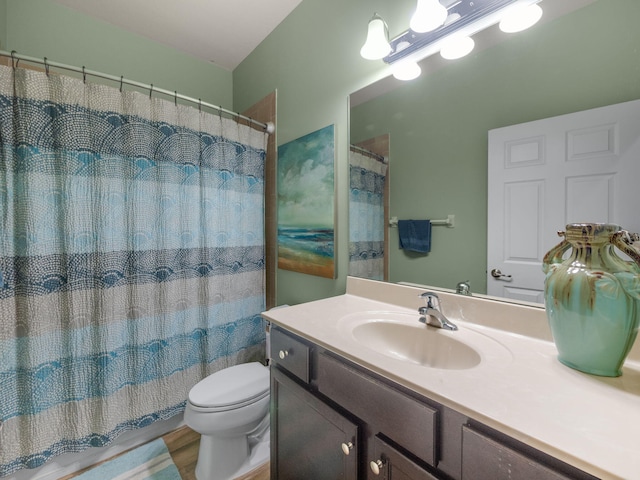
[(367, 178), (131, 260)]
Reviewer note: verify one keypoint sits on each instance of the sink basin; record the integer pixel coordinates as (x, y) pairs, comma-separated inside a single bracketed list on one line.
[(401, 337), (417, 344)]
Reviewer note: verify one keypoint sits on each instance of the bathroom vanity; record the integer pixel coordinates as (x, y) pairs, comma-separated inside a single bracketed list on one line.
[(357, 394)]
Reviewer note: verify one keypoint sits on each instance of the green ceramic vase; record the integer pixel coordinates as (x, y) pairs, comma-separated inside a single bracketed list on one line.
[(592, 297)]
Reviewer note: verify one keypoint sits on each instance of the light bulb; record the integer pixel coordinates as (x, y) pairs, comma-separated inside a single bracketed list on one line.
[(377, 44), (521, 18), (406, 70), (429, 15), (457, 47)]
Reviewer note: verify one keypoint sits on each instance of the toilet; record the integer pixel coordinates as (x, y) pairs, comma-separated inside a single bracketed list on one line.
[(230, 409)]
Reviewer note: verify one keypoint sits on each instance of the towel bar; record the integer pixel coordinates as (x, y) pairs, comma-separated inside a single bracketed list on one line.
[(450, 222)]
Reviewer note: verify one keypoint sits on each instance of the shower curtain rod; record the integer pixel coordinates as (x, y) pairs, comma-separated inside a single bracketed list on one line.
[(268, 127), (369, 153)]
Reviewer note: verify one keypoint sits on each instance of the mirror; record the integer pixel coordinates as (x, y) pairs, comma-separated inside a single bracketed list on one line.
[(579, 57)]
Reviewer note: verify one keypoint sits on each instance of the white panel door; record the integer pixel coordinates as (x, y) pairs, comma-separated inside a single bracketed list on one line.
[(580, 167)]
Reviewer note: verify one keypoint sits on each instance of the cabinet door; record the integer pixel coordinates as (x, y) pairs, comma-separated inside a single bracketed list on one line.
[(309, 440), (390, 464)]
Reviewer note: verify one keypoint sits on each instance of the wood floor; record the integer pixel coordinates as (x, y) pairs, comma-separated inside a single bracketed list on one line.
[(183, 446)]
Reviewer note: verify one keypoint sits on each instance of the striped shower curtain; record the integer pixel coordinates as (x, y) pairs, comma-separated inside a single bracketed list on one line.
[(131, 259), (367, 178)]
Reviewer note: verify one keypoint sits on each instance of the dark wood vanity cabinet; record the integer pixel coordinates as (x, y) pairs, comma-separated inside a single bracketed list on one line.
[(331, 419)]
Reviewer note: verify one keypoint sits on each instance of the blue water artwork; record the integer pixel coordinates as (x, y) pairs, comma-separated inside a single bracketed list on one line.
[(306, 192)]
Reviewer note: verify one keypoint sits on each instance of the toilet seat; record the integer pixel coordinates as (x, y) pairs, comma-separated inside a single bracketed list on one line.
[(231, 388)]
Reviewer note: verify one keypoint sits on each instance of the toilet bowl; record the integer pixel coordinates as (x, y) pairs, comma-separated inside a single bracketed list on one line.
[(230, 410)]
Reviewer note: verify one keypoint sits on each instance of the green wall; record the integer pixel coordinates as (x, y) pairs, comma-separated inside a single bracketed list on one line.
[(3, 24), (585, 60), (438, 125), (42, 28)]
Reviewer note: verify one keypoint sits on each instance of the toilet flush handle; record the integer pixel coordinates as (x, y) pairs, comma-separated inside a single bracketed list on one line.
[(283, 353)]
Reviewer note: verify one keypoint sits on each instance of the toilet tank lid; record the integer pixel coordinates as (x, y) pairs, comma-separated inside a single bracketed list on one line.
[(231, 386)]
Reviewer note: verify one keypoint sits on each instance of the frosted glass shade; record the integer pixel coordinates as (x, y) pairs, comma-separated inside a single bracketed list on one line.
[(406, 70), (457, 47), (429, 15), (377, 44), (521, 18)]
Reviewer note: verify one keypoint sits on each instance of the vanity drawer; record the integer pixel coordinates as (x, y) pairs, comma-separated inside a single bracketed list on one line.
[(485, 457), (403, 419), (290, 354)]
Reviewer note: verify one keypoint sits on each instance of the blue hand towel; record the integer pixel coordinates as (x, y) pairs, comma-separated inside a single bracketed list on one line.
[(415, 235)]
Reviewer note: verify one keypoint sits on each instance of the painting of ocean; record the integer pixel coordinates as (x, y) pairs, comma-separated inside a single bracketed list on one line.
[(306, 204)]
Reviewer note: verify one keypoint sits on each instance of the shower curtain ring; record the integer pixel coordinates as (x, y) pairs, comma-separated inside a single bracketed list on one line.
[(84, 75), (175, 97), (13, 59), (200, 104), (46, 66), (121, 80), (151, 90)]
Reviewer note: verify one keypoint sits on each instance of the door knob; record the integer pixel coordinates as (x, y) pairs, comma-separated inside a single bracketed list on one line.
[(495, 273)]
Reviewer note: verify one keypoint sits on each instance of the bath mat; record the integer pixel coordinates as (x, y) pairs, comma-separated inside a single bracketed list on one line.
[(150, 461)]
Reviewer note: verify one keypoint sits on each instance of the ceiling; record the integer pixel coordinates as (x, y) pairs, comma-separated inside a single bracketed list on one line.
[(219, 31)]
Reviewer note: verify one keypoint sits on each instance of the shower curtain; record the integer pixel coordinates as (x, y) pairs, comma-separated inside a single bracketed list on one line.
[(131, 259), (367, 178)]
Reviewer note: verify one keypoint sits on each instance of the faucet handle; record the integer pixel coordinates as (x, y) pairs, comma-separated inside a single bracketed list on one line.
[(463, 288), (432, 299)]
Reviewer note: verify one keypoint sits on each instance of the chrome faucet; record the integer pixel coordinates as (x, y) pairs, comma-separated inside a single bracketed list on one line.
[(431, 314), (463, 288)]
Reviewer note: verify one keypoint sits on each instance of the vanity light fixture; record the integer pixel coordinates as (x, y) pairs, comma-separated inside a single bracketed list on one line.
[(452, 24), (377, 44)]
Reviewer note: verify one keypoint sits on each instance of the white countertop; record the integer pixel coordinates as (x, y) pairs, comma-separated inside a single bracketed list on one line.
[(519, 387)]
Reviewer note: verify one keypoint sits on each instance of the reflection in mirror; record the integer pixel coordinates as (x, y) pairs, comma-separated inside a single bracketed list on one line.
[(440, 122), (368, 208)]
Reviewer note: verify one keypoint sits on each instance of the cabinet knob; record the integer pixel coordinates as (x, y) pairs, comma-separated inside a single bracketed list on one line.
[(347, 447), (283, 353), (376, 466)]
